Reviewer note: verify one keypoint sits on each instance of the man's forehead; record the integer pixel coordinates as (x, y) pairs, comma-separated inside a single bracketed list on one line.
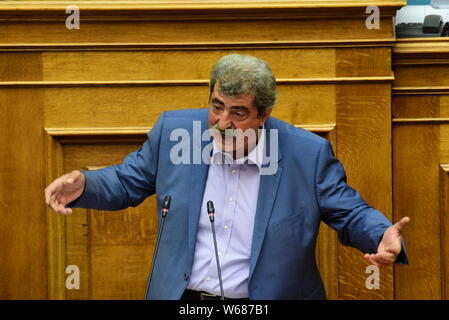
[(219, 92), (247, 97)]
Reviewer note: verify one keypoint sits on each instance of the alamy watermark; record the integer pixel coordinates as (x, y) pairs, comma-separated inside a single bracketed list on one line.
[(372, 281), (230, 141), (373, 21), (73, 280), (73, 20)]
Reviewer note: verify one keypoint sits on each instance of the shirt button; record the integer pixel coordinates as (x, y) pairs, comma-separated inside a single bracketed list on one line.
[(226, 227), (230, 199), (234, 171), (219, 253), (208, 278)]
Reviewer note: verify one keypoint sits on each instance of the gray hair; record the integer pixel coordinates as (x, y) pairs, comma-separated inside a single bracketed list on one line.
[(238, 74)]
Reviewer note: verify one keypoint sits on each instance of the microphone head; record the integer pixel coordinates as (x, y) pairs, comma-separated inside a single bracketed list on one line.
[(210, 207), (165, 206), (166, 203)]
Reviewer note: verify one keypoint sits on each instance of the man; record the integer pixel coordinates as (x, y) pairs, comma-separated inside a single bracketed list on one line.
[(268, 209)]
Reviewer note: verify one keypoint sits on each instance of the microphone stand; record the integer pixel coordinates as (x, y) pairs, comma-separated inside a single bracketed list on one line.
[(165, 208), (211, 213)]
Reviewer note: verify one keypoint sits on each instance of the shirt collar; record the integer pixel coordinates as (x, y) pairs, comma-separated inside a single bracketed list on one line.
[(255, 156)]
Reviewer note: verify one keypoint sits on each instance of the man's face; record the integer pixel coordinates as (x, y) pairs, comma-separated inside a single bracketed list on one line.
[(234, 112)]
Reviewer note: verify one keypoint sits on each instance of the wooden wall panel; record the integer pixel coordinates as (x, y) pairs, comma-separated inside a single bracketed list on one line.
[(77, 251), (363, 146), (21, 66), (23, 267), (416, 196), (141, 106), (436, 75), (23, 228), (112, 249), (141, 64), (299, 104), (189, 32), (420, 152), (113, 106), (362, 62), (122, 245), (416, 106)]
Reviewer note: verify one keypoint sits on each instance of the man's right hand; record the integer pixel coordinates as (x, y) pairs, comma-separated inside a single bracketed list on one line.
[(64, 190)]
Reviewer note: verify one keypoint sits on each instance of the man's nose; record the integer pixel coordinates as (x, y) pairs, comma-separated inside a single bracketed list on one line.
[(225, 121)]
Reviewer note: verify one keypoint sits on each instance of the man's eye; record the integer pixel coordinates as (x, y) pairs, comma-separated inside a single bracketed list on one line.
[(239, 115), (217, 107)]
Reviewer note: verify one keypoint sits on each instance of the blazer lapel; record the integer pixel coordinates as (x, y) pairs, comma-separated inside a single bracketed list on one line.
[(267, 195), (198, 177)]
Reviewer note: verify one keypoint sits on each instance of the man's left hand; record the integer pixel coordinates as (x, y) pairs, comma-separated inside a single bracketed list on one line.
[(390, 246)]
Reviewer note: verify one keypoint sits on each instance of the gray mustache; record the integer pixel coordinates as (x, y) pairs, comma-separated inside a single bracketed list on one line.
[(227, 132)]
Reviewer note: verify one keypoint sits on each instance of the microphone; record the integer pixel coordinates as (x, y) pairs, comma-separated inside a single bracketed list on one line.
[(211, 213), (165, 209)]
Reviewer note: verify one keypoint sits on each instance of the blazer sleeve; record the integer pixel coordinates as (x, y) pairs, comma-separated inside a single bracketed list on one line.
[(342, 208), (127, 184)]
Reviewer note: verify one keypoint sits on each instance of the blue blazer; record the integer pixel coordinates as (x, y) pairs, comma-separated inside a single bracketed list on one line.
[(308, 187)]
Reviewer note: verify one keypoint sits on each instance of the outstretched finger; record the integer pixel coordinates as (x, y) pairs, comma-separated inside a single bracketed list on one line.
[(371, 260), (367, 258), (401, 224), (62, 209), (53, 197), (376, 260), (65, 210), (382, 260), (54, 206), (50, 191), (47, 196)]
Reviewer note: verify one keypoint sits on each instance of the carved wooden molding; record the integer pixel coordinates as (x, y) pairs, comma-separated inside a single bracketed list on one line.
[(61, 133), (56, 225), (173, 10), (324, 43), (317, 127), (421, 45), (99, 131), (421, 51), (421, 90), (206, 4), (97, 135), (153, 83), (421, 120)]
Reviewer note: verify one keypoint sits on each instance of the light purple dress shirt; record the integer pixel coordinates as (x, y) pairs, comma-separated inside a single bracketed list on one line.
[(233, 186)]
